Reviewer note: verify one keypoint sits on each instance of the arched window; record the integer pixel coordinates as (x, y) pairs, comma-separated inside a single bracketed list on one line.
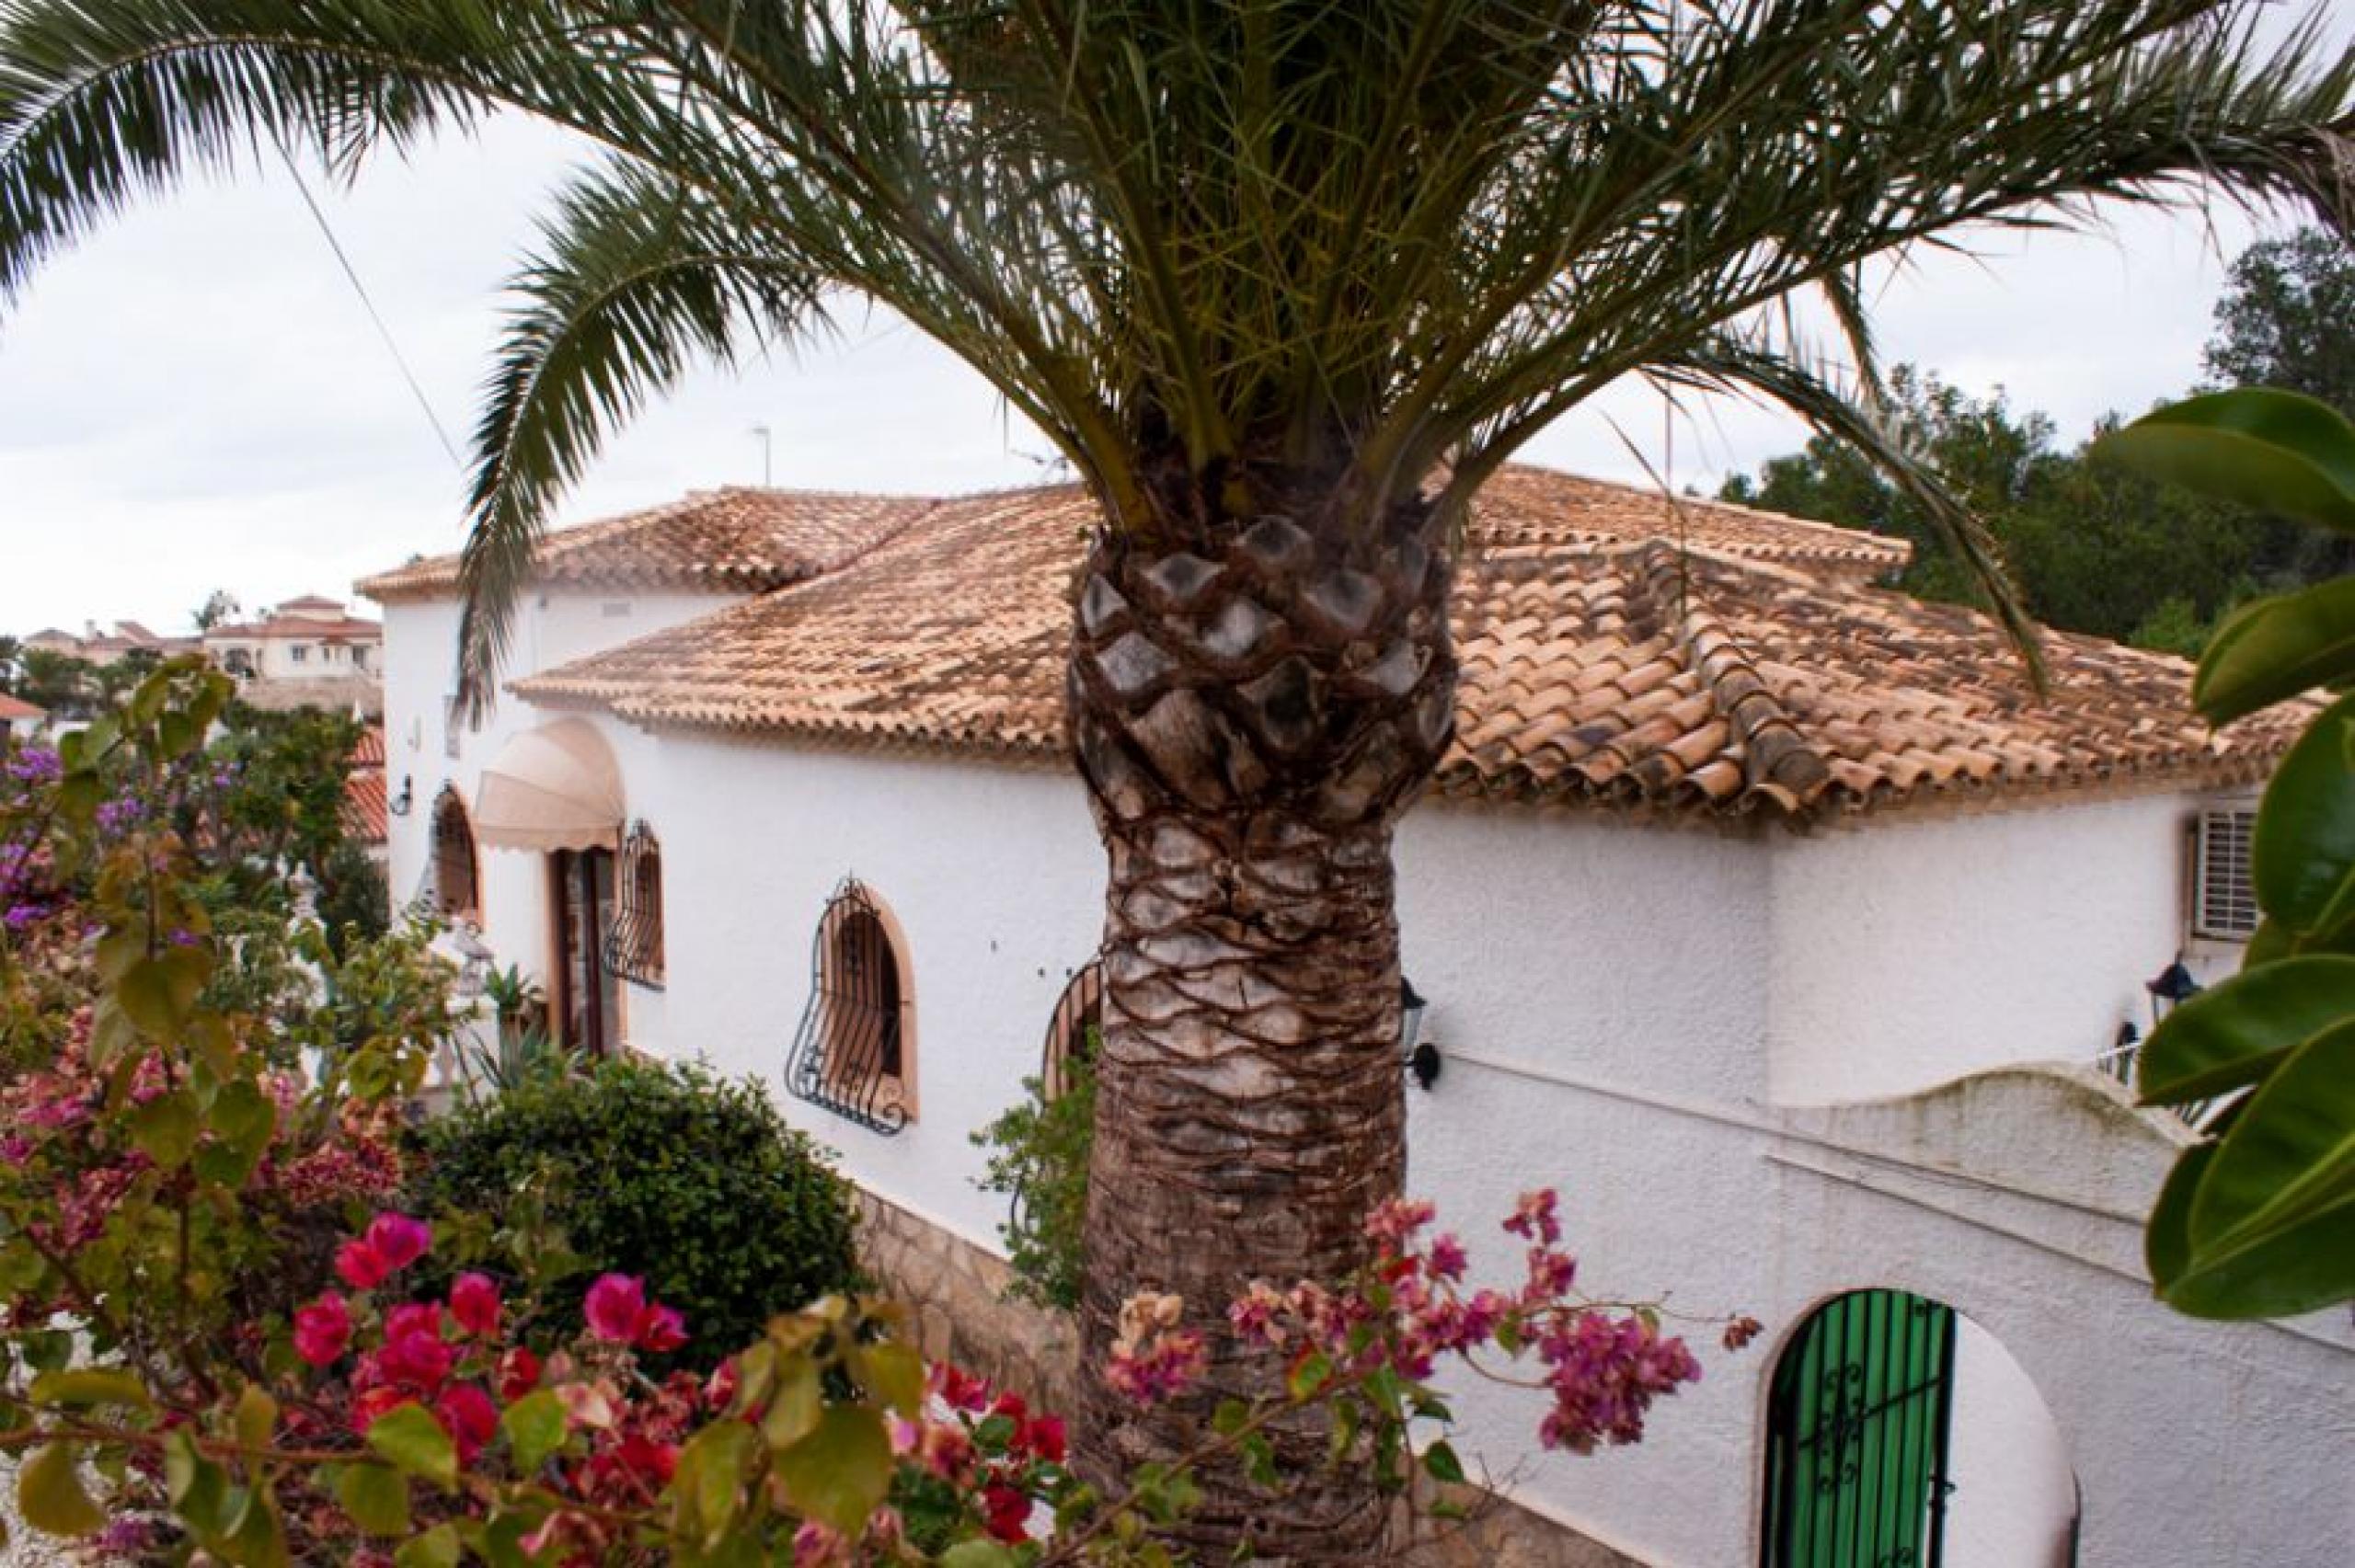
[(634, 947), (457, 881), (855, 1052), (1075, 1030)]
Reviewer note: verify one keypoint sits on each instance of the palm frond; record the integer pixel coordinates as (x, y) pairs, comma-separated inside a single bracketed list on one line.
[(637, 281)]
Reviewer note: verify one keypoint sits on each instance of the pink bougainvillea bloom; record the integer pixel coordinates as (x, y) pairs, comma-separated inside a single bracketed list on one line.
[(417, 1359), (1045, 1436), (473, 1301), (1533, 1217), (1448, 1260), (661, 1329), (369, 1403), (519, 1374), (399, 1240), (414, 1317), (323, 1330), (613, 1306), (1007, 1510), (816, 1546), (361, 1266), (470, 1418)]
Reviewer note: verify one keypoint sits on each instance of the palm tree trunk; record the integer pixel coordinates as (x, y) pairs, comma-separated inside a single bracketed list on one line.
[(1250, 715)]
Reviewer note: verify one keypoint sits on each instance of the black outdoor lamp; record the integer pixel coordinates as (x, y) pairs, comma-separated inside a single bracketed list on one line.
[(1422, 1055), (2172, 985), (398, 805)]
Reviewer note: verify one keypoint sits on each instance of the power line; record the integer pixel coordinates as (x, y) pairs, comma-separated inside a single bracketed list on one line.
[(383, 331)]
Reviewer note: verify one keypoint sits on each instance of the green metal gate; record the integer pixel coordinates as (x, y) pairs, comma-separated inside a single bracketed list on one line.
[(1857, 1436)]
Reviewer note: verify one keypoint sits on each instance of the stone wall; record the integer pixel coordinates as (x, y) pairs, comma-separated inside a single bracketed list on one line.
[(957, 1291)]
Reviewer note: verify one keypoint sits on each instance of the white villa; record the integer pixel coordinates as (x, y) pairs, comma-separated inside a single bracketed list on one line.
[(310, 638), (1765, 912)]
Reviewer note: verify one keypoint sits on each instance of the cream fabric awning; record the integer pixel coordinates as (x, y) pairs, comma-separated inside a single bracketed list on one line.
[(556, 787)]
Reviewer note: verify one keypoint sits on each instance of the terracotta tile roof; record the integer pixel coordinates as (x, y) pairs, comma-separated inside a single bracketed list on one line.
[(1631, 672), (13, 708), (342, 629), (1523, 505), (730, 540), (365, 803)]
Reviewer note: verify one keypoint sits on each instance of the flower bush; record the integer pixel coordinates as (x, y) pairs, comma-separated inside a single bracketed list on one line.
[(221, 1333)]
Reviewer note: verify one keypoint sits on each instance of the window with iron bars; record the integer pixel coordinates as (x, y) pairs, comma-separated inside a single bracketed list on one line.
[(852, 1054), (1074, 1030), (634, 945), (2223, 885)]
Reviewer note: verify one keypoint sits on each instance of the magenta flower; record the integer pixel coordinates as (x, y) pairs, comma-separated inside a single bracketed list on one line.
[(399, 1240), (613, 1306), (470, 1418), (661, 1330), (473, 1301), (323, 1330), (359, 1265)]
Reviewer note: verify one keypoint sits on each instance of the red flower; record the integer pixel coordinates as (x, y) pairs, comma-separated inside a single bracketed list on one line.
[(416, 1359), (361, 1266), (519, 1374), (323, 1330), (369, 1403), (661, 1329), (613, 1306), (643, 1456), (1045, 1437), (470, 1418), (618, 1314), (414, 1317), (473, 1301), (1009, 1512), (399, 1239)]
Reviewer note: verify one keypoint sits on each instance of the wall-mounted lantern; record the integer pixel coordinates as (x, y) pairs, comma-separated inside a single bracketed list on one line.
[(2170, 988), (399, 804), (1421, 1055)]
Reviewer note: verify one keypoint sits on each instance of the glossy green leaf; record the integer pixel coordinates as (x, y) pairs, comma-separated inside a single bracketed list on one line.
[(708, 1485), (2303, 852), (437, 1547), (164, 1128), (197, 1488), (2233, 1035), (51, 1497), (86, 1386), (893, 1373), (2166, 1243), (535, 1428), (841, 1469), (2271, 1223), (978, 1555), (1439, 1462), (2277, 648), (2273, 451), (797, 1404), (415, 1443), (377, 1497), (256, 1538), (256, 1417)]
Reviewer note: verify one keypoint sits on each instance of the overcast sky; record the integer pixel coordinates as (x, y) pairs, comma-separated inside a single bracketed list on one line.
[(196, 398)]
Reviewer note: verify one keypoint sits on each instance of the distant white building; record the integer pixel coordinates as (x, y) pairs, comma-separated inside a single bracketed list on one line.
[(311, 638), (1766, 912), (104, 647)]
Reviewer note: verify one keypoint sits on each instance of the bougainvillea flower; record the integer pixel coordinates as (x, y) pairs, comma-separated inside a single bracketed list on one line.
[(473, 1301), (661, 1329), (399, 1239), (1008, 1512), (469, 1417), (361, 1266), (519, 1374), (323, 1330), (613, 1306)]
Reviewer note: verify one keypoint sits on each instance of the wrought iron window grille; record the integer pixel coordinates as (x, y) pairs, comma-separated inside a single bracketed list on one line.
[(848, 1054), (634, 944), (1074, 1029)]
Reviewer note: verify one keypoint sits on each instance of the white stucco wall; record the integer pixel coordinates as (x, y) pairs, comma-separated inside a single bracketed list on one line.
[(1907, 954), (1640, 1016)]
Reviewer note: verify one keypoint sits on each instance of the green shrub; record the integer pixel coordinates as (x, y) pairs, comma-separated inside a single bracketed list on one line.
[(691, 1182), (1039, 1152)]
